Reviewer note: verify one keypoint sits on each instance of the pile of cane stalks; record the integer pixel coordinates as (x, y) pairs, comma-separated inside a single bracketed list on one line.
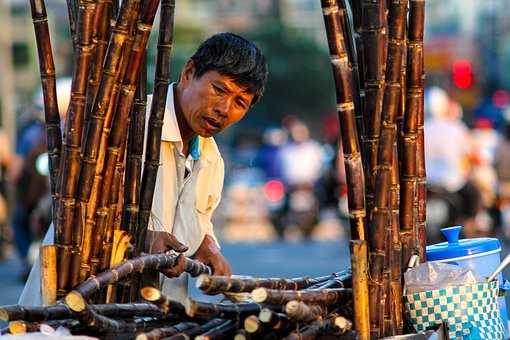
[(301, 308)]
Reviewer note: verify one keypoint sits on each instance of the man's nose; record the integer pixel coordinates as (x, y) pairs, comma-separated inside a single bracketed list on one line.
[(222, 107)]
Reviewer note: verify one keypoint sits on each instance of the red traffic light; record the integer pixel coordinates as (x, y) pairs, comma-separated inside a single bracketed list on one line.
[(462, 73)]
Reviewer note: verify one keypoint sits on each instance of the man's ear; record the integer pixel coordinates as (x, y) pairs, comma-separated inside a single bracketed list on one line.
[(187, 72)]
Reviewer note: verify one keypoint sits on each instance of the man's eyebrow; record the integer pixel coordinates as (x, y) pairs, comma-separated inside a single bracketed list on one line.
[(221, 84)]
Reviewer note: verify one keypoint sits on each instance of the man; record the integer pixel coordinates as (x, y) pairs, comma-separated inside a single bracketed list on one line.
[(216, 88)]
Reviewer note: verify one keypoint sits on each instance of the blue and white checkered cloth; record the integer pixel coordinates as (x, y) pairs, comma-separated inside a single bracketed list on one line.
[(470, 312)]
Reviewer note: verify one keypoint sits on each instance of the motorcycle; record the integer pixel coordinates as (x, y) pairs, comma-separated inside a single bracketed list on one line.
[(291, 206), (464, 207)]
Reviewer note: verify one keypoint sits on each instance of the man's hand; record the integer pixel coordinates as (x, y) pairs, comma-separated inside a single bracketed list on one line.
[(157, 242), (209, 253), (160, 242)]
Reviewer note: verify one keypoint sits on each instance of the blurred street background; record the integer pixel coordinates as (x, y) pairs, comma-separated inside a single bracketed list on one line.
[(284, 208)]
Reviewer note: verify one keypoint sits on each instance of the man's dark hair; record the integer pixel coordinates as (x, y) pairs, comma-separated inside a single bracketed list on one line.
[(232, 55)]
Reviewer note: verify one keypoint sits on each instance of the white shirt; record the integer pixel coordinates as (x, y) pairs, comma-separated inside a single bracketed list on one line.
[(447, 147), (302, 162), (182, 206)]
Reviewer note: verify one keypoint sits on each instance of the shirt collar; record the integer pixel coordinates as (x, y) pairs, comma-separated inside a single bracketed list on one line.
[(171, 132)]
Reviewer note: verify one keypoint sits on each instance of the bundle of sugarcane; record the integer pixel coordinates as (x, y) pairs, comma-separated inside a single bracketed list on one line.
[(302, 308), (377, 62), (274, 308), (100, 199)]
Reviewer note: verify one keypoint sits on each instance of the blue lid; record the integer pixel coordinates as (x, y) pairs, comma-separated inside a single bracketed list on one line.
[(459, 248)]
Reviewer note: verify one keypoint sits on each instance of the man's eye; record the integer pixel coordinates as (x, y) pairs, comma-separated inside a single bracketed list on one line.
[(218, 89), (241, 104)]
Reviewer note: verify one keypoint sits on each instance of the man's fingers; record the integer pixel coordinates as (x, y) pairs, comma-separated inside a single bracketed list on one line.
[(173, 244), (221, 267), (176, 270)]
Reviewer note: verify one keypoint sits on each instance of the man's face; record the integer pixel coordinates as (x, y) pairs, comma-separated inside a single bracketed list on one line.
[(212, 102)]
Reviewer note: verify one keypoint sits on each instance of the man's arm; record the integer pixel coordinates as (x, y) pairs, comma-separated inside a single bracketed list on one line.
[(209, 251)]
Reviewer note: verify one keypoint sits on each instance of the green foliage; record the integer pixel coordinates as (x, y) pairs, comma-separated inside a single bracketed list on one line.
[(300, 80)]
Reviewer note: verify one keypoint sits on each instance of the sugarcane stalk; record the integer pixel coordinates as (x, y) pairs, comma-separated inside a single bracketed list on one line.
[(77, 299), (164, 303), (324, 296), (132, 189), (346, 113), (222, 331), (416, 81), (348, 28), (410, 152), (71, 233), (115, 206), (115, 200), (394, 253), (93, 200), (22, 327), (48, 263), (255, 329), (155, 124), (97, 322), (200, 329), (100, 37), (105, 211), (242, 334), (359, 265), (163, 332), (120, 247), (273, 320), (33, 313), (252, 324), (235, 284), (381, 211), (47, 71), (61, 311), (224, 311), (373, 33), (402, 104), (341, 279), (392, 236), (72, 9), (334, 325), (356, 11), (302, 312), (134, 155)]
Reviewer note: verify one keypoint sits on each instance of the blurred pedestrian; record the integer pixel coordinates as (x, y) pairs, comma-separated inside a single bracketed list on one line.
[(302, 157), (502, 167), (449, 153), (302, 161), (485, 139), (268, 156), (31, 184)]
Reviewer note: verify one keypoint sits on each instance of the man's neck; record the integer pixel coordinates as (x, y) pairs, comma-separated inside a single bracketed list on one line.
[(186, 133)]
